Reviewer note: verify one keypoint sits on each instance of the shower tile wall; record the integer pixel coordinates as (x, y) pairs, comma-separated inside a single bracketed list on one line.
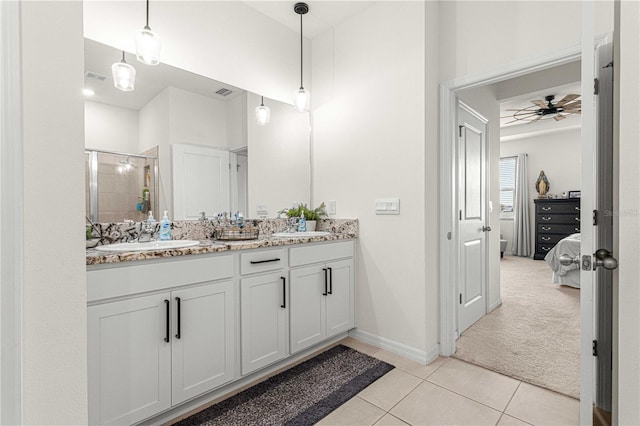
[(119, 191)]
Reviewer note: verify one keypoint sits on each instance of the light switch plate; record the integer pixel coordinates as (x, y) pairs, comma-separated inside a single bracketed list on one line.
[(331, 207), (387, 206)]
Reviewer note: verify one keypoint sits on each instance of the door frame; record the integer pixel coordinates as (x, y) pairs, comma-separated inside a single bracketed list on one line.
[(448, 238)]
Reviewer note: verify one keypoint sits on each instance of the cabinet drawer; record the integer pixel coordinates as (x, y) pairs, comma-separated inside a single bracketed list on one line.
[(557, 208), (262, 261), (558, 229), (558, 218), (321, 253)]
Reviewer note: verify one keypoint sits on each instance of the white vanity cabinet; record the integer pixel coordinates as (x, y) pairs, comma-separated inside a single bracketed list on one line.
[(149, 353), (264, 308), (322, 293)]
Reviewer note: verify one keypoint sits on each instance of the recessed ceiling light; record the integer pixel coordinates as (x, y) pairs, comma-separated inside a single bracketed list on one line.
[(88, 92)]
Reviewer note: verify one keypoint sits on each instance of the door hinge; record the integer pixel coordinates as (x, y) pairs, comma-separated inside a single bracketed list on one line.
[(595, 348), (596, 86), (460, 130), (461, 298), (595, 217)]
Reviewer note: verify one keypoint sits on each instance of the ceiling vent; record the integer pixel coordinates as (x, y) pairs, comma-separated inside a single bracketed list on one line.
[(224, 92), (95, 76)]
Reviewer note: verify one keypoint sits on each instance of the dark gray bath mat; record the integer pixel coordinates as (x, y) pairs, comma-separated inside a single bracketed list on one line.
[(301, 395)]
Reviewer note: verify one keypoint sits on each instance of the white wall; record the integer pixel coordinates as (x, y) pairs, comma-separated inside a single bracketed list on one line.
[(110, 128), (237, 122), (369, 122), (227, 41), (278, 158), (54, 288), (628, 339), (484, 101), (558, 154)]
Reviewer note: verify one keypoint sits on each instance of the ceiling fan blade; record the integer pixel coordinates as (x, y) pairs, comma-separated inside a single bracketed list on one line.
[(559, 117), (541, 104), (566, 100), (572, 111), (535, 119), (572, 105)]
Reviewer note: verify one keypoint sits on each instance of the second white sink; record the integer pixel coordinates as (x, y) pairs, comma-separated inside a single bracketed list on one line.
[(305, 234), (151, 245)]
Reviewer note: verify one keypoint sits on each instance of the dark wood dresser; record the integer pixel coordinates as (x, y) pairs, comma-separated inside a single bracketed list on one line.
[(556, 218)]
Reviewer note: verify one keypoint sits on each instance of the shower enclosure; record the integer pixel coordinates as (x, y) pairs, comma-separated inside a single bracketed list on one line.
[(120, 187)]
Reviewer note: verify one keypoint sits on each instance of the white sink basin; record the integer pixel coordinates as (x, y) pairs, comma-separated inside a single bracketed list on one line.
[(151, 245), (305, 234)]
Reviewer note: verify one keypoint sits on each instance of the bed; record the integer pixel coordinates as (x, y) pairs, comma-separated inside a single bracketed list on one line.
[(565, 275)]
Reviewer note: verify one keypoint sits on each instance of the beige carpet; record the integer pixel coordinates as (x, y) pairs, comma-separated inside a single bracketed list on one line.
[(535, 335)]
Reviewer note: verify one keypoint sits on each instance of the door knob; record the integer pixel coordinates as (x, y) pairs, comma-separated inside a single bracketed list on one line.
[(604, 258), (486, 229), (567, 260)]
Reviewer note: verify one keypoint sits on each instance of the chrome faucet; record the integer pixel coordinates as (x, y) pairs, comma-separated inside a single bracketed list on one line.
[(292, 224), (146, 232), (203, 217)]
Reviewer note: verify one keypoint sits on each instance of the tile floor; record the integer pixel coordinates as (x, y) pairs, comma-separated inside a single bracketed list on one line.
[(449, 392)]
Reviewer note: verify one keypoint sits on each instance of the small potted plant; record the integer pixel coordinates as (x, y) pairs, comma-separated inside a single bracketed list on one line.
[(310, 215)]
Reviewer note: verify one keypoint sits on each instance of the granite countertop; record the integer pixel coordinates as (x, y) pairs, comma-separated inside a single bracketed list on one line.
[(95, 257)]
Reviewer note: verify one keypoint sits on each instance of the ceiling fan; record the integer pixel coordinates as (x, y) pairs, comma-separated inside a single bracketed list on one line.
[(540, 109)]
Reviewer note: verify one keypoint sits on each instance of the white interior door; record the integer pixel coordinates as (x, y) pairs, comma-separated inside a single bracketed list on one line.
[(200, 181), (596, 227), (472, 252)]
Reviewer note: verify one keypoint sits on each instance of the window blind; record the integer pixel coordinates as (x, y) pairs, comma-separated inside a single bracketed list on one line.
[(507, 185)]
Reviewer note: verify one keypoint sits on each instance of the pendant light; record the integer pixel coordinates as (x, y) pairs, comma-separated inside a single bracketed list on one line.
[(147, 44), (262, 114), (124, 75), (301, 96)]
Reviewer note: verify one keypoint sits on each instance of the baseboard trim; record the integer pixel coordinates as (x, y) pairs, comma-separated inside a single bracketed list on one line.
[(495, 304), (396, 347)]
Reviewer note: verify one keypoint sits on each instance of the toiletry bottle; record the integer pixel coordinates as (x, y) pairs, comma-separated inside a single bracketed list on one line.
[(302, 224), (240, 220), (165, 227), (150, 219)]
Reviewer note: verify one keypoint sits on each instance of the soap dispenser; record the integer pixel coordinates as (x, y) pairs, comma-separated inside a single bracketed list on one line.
[(302, 224), (165, 227)]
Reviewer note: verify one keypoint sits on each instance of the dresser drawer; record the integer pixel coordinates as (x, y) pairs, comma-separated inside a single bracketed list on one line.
[(557, 229), (558, 219), (548, 209), (549, 239)]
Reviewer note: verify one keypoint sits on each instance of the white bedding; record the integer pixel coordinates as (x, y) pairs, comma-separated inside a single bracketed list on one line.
[(565, 275)]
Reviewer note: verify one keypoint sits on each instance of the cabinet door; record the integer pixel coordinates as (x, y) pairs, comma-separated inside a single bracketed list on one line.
[(263, 305), (203, 336), (307, 307), (340, 312), (129, 360)]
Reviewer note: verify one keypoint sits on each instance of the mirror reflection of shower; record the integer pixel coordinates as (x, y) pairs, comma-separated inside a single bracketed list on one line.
[(121, 187)]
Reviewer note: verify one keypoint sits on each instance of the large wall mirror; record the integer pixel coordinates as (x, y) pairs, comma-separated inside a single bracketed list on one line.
[(188, 118)]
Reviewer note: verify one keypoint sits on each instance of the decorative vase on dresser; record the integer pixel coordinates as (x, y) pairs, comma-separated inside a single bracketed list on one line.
[(556, 218)]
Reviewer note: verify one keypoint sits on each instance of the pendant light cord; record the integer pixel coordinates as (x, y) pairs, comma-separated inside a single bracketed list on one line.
[(147, 13), (300, 51)]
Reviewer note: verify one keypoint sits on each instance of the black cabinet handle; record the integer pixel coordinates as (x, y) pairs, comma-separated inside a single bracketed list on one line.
[(178, 306), (167, 306), (284, 292), (255, 262), (330, 280), (325, 281)]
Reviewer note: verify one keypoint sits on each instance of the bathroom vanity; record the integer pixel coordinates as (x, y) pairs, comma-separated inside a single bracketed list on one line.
[(182, 327)]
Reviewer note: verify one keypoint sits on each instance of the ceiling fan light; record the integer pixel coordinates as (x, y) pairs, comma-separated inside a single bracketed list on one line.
[(124, 75), (148, 46)]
